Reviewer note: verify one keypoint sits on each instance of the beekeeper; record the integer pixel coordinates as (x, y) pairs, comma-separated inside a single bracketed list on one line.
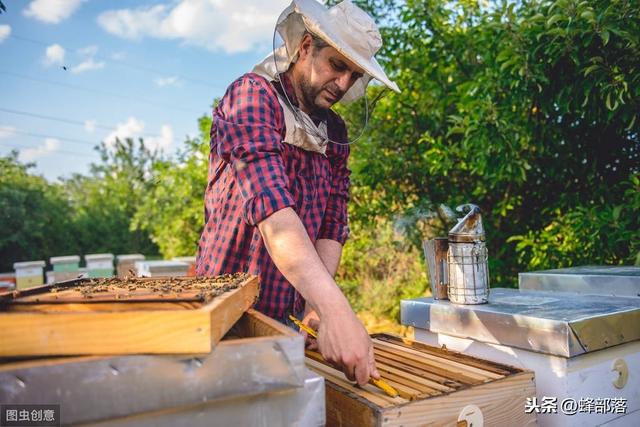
[(278, 184)]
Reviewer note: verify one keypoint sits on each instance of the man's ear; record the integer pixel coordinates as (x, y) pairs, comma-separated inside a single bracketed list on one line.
[(306, 44)]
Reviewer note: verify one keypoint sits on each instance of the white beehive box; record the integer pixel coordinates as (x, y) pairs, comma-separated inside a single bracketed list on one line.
[(161, 268), (29, 274), (127, 262), (584, 349), (99, 265)]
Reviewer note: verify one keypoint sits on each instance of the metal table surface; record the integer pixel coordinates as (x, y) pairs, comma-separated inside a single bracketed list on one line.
[(597, 280), (562, 324)]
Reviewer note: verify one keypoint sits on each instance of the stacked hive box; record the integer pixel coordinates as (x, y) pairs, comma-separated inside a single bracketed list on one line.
[(123, 382), (28, 274), (99, 265), (65, 267), (7, 281), (127, 263), (584, 349), (161, 268), (191, 262)]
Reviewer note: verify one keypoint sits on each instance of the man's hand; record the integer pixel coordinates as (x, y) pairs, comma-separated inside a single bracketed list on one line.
[(332, 348), (312, 320), (343, 341)]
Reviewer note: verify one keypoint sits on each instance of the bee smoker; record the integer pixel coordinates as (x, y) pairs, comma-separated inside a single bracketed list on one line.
[(464, 258)]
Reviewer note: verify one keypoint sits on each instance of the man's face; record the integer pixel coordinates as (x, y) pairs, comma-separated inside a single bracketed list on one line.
[(324, 76)]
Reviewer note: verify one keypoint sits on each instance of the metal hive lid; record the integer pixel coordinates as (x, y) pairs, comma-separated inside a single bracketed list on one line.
[(590, 279), (556, 323)]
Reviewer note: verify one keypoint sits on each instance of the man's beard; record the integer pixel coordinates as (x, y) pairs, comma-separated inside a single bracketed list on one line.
[(310, 93)]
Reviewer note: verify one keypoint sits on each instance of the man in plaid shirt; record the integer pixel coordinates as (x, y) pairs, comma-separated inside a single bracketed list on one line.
[(276, 199)]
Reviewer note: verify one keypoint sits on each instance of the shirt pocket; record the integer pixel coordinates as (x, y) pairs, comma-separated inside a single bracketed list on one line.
[(306, 191)]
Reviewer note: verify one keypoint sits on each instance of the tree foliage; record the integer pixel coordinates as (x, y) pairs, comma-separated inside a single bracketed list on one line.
[(172, 210), (105, 201), (34, 215), (528, 109)]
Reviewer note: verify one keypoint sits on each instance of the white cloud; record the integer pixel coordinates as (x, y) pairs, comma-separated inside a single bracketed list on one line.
[(90, 125), (5, 31), (161, 142), (52, 11), (228, 25), (131, 129), (7, 131), (87, 65), (54, 55), (134, 128), (30, 154), (167, 81)]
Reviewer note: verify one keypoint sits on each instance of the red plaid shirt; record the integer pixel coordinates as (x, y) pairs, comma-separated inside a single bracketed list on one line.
[(253, 174)]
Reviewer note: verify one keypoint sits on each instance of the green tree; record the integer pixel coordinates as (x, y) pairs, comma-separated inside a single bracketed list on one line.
[(105, 202), (34, 214), (172, 211)]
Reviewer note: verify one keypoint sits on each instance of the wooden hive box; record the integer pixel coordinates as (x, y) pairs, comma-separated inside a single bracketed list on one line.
[(437, 388), (123, 316), (257, 368)]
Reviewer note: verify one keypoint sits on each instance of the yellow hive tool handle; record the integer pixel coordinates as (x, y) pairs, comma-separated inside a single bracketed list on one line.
[(381, 384)]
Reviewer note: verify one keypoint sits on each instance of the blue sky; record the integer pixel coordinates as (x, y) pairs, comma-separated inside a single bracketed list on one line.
[(101, 69)]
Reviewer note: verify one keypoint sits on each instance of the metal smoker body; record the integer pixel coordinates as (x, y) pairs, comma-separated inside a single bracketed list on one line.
[(467, 260), (458, 264)]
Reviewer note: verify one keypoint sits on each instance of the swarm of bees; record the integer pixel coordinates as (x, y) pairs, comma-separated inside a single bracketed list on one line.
[(202, 288)]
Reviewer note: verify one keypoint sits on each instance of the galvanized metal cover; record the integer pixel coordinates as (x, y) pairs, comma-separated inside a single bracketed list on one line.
[(595, 280), (561, 324)]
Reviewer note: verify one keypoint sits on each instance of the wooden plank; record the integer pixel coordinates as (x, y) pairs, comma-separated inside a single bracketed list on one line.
[(387, 367), (479, 373), (435, 366), (226, 309), (256, 324), (486, 365), (501, 402), (112, 295), (389, 376), (142, 331), (426, 386), (439, 376), (405, 391), (369, 392), (102, 307), (344, 411), (104, 333), (428, 370)]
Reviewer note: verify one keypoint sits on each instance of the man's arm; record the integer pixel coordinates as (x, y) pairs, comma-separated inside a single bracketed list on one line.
[(330, 252), (341, 337)]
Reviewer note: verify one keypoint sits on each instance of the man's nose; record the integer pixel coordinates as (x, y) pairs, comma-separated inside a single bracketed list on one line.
[(344, 81)]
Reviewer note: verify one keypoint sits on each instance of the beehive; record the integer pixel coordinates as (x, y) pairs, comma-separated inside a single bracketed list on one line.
[(114, 316), (436, 386)]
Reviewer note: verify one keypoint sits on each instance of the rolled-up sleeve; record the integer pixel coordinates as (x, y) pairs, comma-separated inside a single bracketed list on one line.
[(335, 222), (249, 125)]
